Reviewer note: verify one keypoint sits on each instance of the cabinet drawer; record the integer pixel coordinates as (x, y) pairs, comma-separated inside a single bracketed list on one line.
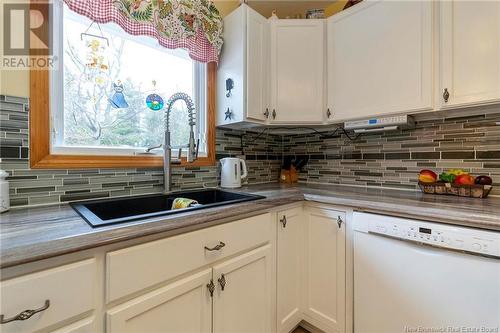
[(70, 289), (135, 268)]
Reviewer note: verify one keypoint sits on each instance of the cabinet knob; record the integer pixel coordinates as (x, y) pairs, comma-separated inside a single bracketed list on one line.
[(446, 95), (274, 114), (211, 287), (339, 221), (222, 281), (26, 314), (216, 247), (283, 221), (328, 113), (266, 113)]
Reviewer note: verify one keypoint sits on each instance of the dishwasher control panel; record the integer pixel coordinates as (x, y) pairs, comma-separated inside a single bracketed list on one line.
[(457, 238)]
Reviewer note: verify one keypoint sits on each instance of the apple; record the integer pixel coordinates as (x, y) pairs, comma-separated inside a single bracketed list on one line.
[(427, 176), (483, 180), (464, 180)]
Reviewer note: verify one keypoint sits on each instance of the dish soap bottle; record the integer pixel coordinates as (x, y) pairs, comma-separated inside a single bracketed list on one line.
[(4, 192)]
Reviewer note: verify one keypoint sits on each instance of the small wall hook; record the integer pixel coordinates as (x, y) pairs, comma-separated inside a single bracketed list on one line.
[(229, 87)]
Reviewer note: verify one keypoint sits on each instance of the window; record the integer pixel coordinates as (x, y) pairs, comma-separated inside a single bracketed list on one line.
[(98, 97), (106, 77)]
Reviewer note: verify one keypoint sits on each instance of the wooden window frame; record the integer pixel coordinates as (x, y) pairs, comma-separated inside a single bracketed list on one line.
[(39, 132)]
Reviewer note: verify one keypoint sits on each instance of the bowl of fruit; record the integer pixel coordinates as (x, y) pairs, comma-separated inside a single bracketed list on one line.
[(455, 182)]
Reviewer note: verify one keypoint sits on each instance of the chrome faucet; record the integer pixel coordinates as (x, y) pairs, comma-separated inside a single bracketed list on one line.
[(193, 147)]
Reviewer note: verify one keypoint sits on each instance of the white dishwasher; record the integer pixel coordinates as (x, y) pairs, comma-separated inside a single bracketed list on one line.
[(415, 276)]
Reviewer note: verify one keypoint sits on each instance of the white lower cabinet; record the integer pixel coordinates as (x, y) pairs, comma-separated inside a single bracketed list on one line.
[(182, 306), (48, 298), (311, 268), (242, 301), (260, 274), (233, 296), (288, 270), (324, 269), (229, 289), (134, 268)]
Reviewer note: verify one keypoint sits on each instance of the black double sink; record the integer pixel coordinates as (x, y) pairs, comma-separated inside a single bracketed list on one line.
[(112, 211)]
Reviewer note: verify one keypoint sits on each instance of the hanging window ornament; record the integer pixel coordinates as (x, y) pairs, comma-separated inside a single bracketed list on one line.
[(154, 101), (96, 55), (118, 99)]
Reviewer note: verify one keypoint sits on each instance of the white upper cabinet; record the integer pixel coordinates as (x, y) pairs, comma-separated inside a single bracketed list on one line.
[(377, 58), (244, 61), (380, 59), (470, 52), (297, 71), (257, 66)]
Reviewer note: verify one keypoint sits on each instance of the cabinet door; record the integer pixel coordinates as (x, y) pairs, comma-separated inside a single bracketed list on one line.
[(289, 264), (324, 291), (297, 65), (231, 67), (470, 52), (243, 301), (380, 59), (257, 65), (182, 306)]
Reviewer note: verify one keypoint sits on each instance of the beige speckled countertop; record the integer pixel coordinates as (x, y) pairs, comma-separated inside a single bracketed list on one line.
[(41, 232)]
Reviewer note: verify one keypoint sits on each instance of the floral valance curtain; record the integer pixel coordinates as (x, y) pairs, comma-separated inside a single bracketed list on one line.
[(194, 25)]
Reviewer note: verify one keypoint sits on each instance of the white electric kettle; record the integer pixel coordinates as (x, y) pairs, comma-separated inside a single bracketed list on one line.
[(232, 172)]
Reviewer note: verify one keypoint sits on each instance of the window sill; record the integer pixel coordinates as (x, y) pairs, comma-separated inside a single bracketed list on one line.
[(94, 161), (112, 151)]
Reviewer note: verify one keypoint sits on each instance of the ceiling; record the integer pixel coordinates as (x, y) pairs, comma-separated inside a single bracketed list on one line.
[(286, 8)]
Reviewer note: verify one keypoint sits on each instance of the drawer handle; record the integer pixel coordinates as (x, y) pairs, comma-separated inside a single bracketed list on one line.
[(26, 314), (216, 247)]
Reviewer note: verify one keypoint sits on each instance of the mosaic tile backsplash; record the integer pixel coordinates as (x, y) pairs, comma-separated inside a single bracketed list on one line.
[(393, 159), (389, 160), (36, 187)]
